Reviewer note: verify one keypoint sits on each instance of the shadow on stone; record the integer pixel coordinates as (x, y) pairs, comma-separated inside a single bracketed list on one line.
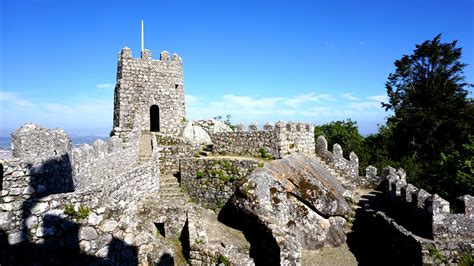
[(166, 260), (54, 176), (184, 239), (264, 249), (61, 247), (59, 244), (374, 241)]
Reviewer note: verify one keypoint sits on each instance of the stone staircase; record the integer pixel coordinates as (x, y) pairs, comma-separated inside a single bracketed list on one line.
[(170, 189), (145, 147)]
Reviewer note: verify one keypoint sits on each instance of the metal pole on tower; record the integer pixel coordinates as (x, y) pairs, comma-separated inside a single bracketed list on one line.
[(143, 36)]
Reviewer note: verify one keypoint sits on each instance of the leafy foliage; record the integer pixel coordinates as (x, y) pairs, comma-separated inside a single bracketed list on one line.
[(430, 132), (433, 117), (346, 134)]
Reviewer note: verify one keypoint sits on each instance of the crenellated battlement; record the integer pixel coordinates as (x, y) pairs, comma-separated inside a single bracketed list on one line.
[(348, 168), (149, 94), (126, 54), (279, 126), (425, 214), (277, 139)]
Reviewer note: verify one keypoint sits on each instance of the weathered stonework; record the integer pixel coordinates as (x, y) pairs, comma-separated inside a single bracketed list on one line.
[(348, 168), (277, 141), (212, 181), (149, 94), (119, 202), (32, 142)]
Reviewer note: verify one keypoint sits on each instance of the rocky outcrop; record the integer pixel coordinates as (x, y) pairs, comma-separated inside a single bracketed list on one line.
[(212, 126), (196, 134), (295, 204)]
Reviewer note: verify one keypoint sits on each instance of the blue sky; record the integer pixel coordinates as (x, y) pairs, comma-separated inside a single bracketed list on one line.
[(312, 61)]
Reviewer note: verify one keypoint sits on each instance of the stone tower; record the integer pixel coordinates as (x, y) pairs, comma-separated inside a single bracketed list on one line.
[(149, 94)]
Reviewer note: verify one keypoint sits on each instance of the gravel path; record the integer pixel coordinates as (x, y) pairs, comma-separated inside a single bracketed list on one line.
[(328, 257)]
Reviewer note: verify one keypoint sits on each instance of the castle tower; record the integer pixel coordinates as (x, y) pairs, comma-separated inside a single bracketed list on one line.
[(149, 94)]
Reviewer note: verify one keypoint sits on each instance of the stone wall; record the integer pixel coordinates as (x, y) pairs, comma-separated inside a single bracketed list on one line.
[(42, 212), (426, 214), (400, 246), (212, 181), (101, 161), (277, 140), (335, 159), (33, 142), (142, 83), (171, 151)]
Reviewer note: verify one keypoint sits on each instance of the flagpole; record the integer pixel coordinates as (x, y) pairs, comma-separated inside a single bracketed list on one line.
[(143, 37)]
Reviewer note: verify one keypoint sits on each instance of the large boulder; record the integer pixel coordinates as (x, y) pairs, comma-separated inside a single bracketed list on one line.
[(196, 134), (212, 126), (297, 203)]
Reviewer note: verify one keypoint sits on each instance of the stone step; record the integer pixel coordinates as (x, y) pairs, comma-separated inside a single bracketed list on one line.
[(170, 190), (169, 182), (172, 195), (174, 184)]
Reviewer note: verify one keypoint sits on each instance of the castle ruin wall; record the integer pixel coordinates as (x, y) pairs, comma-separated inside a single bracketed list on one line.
[(277, 140), (212, 181), (335, 159), (34, 212)]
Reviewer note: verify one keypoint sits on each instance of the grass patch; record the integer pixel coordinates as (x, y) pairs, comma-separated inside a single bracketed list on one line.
[(224, 260), (264, 154), (82, 213), (465, 259), (436, 254)]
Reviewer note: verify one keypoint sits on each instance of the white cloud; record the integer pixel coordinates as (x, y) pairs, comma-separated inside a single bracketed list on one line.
[(366, 105), (298, 100), (349, 96), (97, 113), (12, 98), (378, 98), (105, 86)]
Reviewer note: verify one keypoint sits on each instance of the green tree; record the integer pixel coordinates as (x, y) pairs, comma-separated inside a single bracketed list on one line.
[(432, 114)]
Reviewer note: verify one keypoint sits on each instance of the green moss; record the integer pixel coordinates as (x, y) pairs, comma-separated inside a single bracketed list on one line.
[(199, 174), (199, 241)]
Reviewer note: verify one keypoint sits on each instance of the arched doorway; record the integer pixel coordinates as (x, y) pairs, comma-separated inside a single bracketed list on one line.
[(154, 118)]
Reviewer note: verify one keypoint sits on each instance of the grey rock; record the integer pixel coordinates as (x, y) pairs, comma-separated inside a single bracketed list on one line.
[(109, 225), (87, 233)]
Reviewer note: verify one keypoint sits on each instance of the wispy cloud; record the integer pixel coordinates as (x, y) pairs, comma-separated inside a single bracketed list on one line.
[(349, 96), (80, 114), (298, 100), (378, 98), (13, 98), (309, 107), (105, 86)]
